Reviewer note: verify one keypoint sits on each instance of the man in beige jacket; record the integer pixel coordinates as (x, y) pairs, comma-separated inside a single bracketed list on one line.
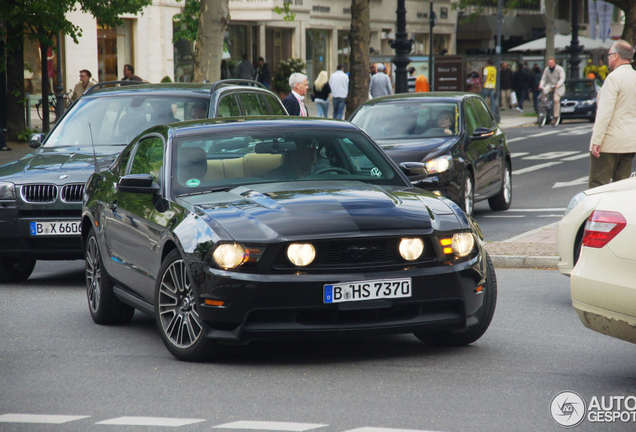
[(85, 83), (553, 79), (613, 142)]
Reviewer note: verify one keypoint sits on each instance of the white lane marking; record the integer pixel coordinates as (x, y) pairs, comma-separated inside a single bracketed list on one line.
[(270, 425), (537, 210), (551, 216), (517, 154), (553, 132), (576, 132), (551, 155), (377, 429), (504, 216), (39, 418), (536, 167), (515, 139), (577, 182), (528, 233), (567, 131), (150, 421), (577, 157)]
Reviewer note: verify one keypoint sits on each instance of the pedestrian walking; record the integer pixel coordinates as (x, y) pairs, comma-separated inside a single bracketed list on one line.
[(86, 81), (613, 143), (321, 94), (412, 79), (129, 74), (339, 85), (489, 75), (506, 86), (295, 102), (380, 83), (553, 79), (520, 85), (262, 73), (245, 69)]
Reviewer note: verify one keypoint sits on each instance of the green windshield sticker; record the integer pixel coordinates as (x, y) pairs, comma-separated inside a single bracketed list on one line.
[(193, 183)]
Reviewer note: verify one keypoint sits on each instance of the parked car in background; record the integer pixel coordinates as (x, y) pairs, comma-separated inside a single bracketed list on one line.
[(41, 194), (571, 228), (453, 134), (247, 229), (579, 100)]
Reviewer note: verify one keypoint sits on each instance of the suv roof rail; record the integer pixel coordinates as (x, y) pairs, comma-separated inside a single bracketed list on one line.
[(108, 83), (244, 82)]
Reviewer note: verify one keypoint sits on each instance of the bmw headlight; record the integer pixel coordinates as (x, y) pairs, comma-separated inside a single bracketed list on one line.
[(462, 244), (7, 191), (588, 102), (301, 254), (230, 255), (438, 165), (574, 202), (411, 248)]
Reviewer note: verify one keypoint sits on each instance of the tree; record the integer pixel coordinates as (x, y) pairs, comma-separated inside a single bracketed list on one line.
[(208, 52), (42, 20), (629, 8), (360, 57)]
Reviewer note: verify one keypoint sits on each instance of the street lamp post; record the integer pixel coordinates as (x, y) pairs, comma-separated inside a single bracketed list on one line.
[(432, 20), (59, 88), (575, 48), (498, 57), (402, 47)]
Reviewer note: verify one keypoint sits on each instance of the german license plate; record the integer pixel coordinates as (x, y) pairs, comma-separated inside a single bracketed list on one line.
[(55, 228), (567, 109), (367, 290)]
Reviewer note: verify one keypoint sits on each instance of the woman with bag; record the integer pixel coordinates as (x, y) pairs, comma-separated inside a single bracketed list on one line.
[(520, 84), (321, 94)]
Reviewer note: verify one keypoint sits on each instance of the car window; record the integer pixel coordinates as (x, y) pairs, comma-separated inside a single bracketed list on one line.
[(405, 119), (274, 105), (583, 87), (228, 107), (252, 104), (260, 156), (119, 166), (485, 119), (148, 157), (471, 117)]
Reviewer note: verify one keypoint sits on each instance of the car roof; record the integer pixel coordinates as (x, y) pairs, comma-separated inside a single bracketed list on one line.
[(424, 97), (197, 127), (176, 89)]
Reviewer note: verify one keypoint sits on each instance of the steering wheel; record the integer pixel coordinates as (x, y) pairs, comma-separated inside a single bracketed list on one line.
[(434, 131), (333, 170)]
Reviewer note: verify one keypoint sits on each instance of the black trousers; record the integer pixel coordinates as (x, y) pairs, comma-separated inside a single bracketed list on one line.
[(610, 166)]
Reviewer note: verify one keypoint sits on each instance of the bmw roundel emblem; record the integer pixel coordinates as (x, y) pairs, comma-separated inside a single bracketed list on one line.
[(63, 176)]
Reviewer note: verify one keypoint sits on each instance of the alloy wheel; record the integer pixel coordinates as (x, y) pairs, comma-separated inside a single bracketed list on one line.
[(507, 185), (468, 195), (93, 274)]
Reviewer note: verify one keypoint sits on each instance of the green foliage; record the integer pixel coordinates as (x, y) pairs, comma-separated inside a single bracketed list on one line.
[(479, 5), (166, 79), (286, 10), (188, 21), (280, 78), (26, 133)]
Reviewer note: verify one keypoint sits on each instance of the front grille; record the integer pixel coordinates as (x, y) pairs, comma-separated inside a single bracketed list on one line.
[(73, 193), (39, 194)]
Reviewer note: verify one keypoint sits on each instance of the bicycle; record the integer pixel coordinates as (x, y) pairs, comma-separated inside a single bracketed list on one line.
[(545, 111), (53, 106)]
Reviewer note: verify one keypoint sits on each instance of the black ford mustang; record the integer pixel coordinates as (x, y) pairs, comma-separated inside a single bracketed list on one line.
[(242, 229)]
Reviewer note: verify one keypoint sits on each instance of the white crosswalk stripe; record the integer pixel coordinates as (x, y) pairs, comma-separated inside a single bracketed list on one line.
[(150, 421), (39, 418), (270, 426), (377, 429), (535, 167)]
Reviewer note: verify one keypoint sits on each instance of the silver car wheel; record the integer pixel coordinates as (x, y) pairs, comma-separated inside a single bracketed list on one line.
[(93, 274), (507, 185), (468, 195)]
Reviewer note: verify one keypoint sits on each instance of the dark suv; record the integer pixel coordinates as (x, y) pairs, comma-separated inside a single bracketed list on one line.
[(41, 194)]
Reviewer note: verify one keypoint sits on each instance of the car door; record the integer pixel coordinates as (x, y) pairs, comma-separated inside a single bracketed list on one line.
[(132, 236), (488, 150)]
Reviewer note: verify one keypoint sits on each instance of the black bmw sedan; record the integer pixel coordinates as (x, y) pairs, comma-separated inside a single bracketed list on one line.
[(579, 100), (454, 134), (228, 231)]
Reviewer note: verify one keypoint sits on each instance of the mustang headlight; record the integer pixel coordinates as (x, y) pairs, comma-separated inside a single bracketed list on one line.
[(438, 165), (574, 202), (301, 254), (411, 248), (230, 255), (7, 191), (462, 244)]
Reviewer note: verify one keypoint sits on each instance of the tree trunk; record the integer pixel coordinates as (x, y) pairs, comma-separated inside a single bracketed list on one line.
[(629, 31), (550, 28), (359, 59), (44, 51), (16, 104), (208, 53)]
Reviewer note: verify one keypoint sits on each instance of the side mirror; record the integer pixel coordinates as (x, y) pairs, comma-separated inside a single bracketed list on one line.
[(36, 139), (138, 183), (414, 170), (482, 132)]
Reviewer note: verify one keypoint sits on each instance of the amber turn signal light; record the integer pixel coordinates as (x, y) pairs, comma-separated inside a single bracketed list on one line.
[(211, 302)]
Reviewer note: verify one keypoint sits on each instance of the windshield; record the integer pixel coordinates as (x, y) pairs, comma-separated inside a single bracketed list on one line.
[(212, 161), (584, 87), (116, 120), (404, 119)]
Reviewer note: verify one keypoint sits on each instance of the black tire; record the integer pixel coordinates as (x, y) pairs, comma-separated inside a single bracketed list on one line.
[(104, 306), (15, 270), (542, 116), (179, 325), (52, 113), (503, 199), (485, 314), (467, 201)]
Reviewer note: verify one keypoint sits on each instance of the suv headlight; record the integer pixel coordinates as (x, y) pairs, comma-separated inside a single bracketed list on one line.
[(438, 165), (7, 191)]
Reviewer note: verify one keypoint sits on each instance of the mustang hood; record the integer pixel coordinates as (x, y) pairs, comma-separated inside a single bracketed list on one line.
[(48, 164), (288, 211), (416, 150)]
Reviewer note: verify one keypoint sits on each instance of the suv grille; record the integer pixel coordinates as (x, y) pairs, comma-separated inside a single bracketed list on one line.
[(73, 193), (39, 194)]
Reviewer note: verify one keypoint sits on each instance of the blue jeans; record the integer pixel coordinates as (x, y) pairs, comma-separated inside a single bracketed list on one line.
[(490, 93), (322, 107), (338, 107), (521, 96)]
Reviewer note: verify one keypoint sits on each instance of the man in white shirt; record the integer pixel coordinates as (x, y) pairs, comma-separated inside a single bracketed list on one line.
[(380, 83), (339, 84)]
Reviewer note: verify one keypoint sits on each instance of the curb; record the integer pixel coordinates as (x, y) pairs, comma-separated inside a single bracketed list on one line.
[(525, 262)]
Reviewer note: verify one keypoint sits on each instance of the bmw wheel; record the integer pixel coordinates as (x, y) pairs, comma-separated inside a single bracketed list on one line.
[(468, 195), (179, 324), (104, 306), (503, 199), (12, 270)]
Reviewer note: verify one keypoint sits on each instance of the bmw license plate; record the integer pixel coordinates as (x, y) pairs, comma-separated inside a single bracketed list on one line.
[(367, 290), (55, 228), (568, 109)]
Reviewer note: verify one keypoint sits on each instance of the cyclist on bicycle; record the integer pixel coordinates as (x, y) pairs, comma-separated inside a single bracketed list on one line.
[(553, 78)]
